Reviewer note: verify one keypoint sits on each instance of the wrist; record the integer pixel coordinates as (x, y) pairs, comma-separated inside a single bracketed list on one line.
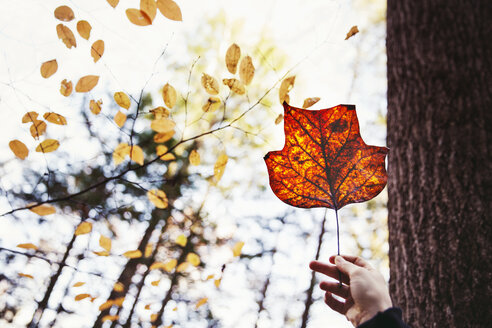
[(374, 310)]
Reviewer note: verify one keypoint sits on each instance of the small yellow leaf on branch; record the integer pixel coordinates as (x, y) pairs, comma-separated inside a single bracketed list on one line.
[(110, 317), (133, 254), (118, 287), (158, 198), (120, 152), (232, 58), (169, 95), (160, 112), (212, 104), (49, 68), (162, 125), (181, 240), (119, 301), (95, 106), (235, 85), (147, 307), (83, 228), (153, 317), (137, 155), (279, 119), (182, 267), (80, 297), (37, 129), (84, 29), (285, 87), (163, 137), (163, 154), (308, 102), (193, 259), (155, 282), (44, 209), (106, 305), (25, 275), (236, 249), (149, 8), (27, 246), (156, 265), (210, 84), (55, 118), (102, 253), (353, 31), (217, 282), (30, 117), (86, 83), (246, 70), (169, 9), (48, 146), (201, 302), (113, 3), (105, 243), (220, 166), (19, 148), (194, 157), (170, 265), (78, 284), (122, 99), (120, 119), (138, 17), (97, 50), (66, 35), (66, 88), (64, 13)]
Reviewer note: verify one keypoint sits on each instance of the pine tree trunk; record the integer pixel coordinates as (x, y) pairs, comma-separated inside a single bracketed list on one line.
[(440, 168)]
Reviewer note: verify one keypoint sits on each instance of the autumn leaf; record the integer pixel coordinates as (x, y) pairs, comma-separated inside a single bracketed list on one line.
[(279, 119), (49, 68), (147, 307), (110, 317), (55, 118), (182, 267), (66, 35), (246, 70), (78, 284), (169, 95), (25, 275), (83, 228), (148, 249), (163, 137), (158, 198), (86, 83), (80, 297), (193, 259), (119, 287), (66, 88), (212, 104), (181, 240), (97, 50), (169, 9), (155, 282), (30, 117), (217, 282), (138, 17), (122, 99), (119, 301), (170, 265), (308, 102), (353, 31), (64, 13), (44, 209), (48, 146), (136, 154), (113, 3), (210, 84), (95, 106), (160, 112), (19, 148), (236, 249), (194, 157), (286, 85), (149, 8), (235, 85), (232, 57), (325, 162), (84, 29), (106, 305), (201, 302), (102, 253), (27, 246), (105, 243), (37, 129), (162, 125), (164, 155), (120, 152), (120, 119), (135, 254), (220, 166)]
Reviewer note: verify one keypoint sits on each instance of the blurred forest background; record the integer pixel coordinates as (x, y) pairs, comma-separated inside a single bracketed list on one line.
[(219, 249)]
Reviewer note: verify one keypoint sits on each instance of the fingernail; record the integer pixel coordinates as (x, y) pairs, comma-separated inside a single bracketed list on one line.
[(339, 259)]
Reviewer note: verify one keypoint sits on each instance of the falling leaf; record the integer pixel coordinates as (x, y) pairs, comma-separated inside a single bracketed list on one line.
[(66, 88), (49, 68), (120, 152), (210, 276), (149, 8), (194, 157), (106, 305), (147, 307), (64, 13), (97, 50), (137, 155), (86, 83), (235, 85), (30, 117), (286, 85), (325, 162), (210, 84), (119, 287), (113, 3), (193, 259), (102, 253), (138, 17), (155, 282), (105, 243), (110, 317), (232, 57), (181, 240), (279, 119), (66, 35), (158, 198), (120, 119), (246, 70), (308, 102), (95, 106), (162, 125), (55, 118), (84, 29), (169, 95), (213, 103), (122, 99), (353, 31), (217, 282), (43, 210), (27, 246), (19, 148), (48, 146), (160, 112), (163, 137), (220, 166), (78, 284), (201, 302), (133, 254), (25, 275), (83, 228), (148, 250), (80, 297), (37, 129), (169, 9), (163, 154), (182, 267), (236, 249)]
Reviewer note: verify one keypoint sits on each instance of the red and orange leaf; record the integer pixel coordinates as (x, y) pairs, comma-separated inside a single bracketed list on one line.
[(325, 162)]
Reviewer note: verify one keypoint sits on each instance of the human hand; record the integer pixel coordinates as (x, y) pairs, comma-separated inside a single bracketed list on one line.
[(363, 288)]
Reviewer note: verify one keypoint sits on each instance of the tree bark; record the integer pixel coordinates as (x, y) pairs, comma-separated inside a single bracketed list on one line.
[(439, 186)]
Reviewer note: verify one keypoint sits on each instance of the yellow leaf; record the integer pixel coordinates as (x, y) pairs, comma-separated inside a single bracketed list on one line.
[(106, 305), (86, 83), (95, 106), (84, 29), (235, 85), (102, 253), (105, 243), (182, 267), (155, 282), (308, 102), (66, 88), (169, 9), (37, 129), (169, 95), (212, 104), (49, 68), (232, 57), (27, 246), (113, 3), (148, 249), (80, 297), (163, 137), (194, 157), (147, 307), (66, 35), (30, 117), (279, 119), (120, 119), (163, 154), (120, 152), (158, 198), (149, 8), (236, 249), (133, 254), (64, 13), (138, 17), (119, 301), (201, 302), (78, 284), (220, 166), (137, 155), (217, 282), (153, 317), (181, 240), (19, 148), (122, 99), (156, 265), (118, 287), (174, 309), (193, 259), (97, 50), (162, 125), (48, 146), (286, 85), (210, 276), (160, 112), (246, 70), (25, 275), (210, 84), (170, 265), (83, 228), (55, 118), (353, 31), (110, 317), (44, 209)]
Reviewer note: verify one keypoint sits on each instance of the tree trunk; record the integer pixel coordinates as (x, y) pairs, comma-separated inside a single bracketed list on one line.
[(439, 114)]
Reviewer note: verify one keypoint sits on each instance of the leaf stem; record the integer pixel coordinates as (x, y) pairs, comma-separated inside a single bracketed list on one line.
[(338, 247)]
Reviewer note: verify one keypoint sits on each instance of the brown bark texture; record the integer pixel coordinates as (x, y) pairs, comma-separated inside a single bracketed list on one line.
[(440, 168)]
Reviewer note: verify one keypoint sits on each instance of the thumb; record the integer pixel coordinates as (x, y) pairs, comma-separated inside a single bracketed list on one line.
[(344, 265)]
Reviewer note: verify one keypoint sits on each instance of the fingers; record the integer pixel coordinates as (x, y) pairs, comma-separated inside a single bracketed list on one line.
[(329, 270), (335, 304), (353, 259), (335, 288)]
